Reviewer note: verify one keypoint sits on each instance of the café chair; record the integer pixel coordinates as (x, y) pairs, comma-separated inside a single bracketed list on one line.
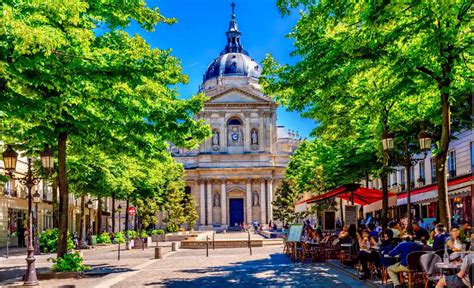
[(431, 273), (413, 260)]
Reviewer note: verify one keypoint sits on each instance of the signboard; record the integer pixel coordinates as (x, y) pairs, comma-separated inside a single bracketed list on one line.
[(132, 211), (294, 235), (329, 221), (351, 214)]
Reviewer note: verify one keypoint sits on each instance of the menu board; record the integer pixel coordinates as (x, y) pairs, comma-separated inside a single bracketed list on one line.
[(351, 215), (294, 235), (329, 223)]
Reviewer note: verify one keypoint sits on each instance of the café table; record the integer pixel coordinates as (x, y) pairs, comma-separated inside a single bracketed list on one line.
[(449, 268)]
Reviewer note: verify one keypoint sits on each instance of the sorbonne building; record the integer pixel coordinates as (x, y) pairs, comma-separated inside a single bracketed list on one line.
[(233, 175)]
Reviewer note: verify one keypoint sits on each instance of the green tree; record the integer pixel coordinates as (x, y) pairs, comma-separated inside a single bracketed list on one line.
[(61, 83), (415, 46), (190, 211)]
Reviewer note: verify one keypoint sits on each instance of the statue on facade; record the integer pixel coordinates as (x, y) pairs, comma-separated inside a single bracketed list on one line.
[(254, 137), (217, 200), (215, 138), (255, 199)]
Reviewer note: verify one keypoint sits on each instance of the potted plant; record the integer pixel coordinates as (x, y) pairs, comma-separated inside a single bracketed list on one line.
[(142, 240), (130, 239), (157, 235)]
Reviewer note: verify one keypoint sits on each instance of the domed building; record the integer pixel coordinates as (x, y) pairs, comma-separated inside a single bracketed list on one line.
[(233, 175)]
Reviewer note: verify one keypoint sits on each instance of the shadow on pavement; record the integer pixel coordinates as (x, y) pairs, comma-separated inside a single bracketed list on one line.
[(277, 271)]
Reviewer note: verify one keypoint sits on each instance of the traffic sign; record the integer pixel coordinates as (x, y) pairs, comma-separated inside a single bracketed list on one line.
[(132, 211)]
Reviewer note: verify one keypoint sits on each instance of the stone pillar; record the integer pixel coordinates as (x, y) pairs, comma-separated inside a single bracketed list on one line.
[(270, 137), (261, 137), (209, 202), (248, 202), (247, 131), (202, 203), (223, 202), (263, 202), (270, 199)]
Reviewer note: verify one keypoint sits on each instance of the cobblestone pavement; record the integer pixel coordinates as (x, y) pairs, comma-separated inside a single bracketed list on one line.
[(267, 267)]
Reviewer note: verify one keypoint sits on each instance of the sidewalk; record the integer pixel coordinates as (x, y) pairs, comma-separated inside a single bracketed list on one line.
[(12, 251)]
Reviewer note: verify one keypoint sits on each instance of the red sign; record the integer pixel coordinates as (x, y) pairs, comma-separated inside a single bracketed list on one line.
[(132, 211)]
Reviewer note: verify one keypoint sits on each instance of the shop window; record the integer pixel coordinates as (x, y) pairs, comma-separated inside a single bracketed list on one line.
[(402, 179), (452, 163), (421, 170)]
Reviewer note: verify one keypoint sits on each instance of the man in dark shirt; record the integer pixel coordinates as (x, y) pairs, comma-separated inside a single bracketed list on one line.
[(420, 233), (402, 249)]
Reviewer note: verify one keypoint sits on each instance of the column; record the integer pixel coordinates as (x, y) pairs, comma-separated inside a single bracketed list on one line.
[(202, 204), (270, 199), (263, 202), (247, 131), (270, 137), (223, 203), (249, 201), (209, 202), (261, 138)]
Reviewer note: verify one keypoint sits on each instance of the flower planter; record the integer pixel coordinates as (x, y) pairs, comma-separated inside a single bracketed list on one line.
[(157, 238), (58, 275), (140, 244), (129, 244)]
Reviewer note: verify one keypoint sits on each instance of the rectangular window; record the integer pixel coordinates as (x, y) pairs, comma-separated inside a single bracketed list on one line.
[(394, 179), (412, 177), (421, 171), (389, 180), (433, 170), (452, 163), (402, 179), (472, 156)]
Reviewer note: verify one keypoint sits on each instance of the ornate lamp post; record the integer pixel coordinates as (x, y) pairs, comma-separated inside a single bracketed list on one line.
[(89, 206), (29, 180), (406, 160), (119, 210), (36, 200)]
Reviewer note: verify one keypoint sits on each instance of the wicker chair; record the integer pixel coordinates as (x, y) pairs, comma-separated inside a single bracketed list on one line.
[(413, 260), (430, 272)]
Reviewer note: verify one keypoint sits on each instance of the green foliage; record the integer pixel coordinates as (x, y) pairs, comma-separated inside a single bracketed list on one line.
[(70, 262), (284, 203), (48, 241), (104, 238), (156, 232), (131, 234), (142, 234), (119, 238), (190, 211)]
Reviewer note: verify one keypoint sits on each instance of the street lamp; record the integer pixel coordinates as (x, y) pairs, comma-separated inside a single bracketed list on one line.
[(407, 161), (10, 158), (89, 206), (119, 210), (36, 200)]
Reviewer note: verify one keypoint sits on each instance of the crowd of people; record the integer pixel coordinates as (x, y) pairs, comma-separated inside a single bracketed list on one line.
[(371, 247)]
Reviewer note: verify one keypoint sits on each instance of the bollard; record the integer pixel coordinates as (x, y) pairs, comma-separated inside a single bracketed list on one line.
[(250, 243), (213, 240), (158, 253), (174, 246), (207, 246)]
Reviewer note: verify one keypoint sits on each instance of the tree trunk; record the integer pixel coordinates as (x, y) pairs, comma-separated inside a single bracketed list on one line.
[(82, 230), (63, 194), (443, 198), (55, 203), (99, 215), (384, 200), (126, 216), (113, 212)]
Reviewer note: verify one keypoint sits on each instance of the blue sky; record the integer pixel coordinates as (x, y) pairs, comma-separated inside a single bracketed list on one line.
[(199, 36)]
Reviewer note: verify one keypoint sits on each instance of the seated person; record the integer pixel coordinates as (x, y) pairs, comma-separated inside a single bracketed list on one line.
[(439, 237), (453, 241), (402, 249), (420, 233), (344, 232), (366, 255), (396, 228), (372, 231), (388, 244), (461, 279), (465, 231)]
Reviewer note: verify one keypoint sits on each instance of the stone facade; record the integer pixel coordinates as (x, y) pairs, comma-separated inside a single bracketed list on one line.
[(233, 174)]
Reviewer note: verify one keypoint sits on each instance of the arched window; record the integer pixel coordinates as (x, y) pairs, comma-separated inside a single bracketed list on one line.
[(234, 121)]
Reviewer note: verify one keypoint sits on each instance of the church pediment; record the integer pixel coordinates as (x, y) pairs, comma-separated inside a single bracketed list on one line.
[(238, 96)]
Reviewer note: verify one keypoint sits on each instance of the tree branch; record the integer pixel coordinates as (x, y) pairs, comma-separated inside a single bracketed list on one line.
[(428, 71)]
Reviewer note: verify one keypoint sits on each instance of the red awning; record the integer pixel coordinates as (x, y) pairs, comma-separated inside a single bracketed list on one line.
[(360, 195)]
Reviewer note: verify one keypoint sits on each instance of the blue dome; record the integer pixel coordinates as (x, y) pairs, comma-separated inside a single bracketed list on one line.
[(232, 64)]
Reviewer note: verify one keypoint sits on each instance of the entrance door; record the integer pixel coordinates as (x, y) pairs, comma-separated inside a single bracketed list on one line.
[(236, 211)]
